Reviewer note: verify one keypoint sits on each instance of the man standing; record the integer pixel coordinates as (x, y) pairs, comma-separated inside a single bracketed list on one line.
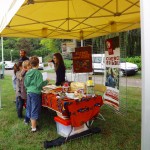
[(23, 56)]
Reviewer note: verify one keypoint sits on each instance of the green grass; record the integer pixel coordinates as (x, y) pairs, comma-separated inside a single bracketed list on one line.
[(137, 75), (119, 132)]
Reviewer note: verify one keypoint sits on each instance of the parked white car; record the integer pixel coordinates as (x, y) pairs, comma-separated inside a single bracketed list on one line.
[(9, 65), (126, 68), (98, 63)]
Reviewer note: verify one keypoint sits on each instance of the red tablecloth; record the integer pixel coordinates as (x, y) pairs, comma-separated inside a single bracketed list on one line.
[(79, 111)]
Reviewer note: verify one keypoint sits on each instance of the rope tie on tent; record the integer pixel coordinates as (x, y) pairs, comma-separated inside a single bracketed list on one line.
[(44, 32)]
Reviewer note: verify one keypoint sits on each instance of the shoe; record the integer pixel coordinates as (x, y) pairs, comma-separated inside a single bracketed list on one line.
[(26, 123), (37, 127), (20, 117), (33, 130)]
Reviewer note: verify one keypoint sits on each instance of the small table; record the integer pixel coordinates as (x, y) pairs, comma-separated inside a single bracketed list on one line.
[(78, 111)]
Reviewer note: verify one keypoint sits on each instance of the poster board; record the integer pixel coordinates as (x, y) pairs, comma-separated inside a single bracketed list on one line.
[(68, 47), (112, 62), (82, 60)]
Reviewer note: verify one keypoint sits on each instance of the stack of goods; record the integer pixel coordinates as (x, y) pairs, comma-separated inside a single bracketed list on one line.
[(51, 89), (75, 86)]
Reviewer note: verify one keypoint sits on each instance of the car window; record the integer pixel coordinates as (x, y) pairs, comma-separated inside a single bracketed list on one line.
[(97, 60)]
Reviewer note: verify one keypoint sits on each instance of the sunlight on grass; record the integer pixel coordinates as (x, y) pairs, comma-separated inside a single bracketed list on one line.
[(119, 132)]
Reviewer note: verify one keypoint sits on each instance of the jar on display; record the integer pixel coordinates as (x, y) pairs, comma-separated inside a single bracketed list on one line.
[(90, 87)]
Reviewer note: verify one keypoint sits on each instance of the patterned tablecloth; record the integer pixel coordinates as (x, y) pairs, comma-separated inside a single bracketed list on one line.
[(79, 111)]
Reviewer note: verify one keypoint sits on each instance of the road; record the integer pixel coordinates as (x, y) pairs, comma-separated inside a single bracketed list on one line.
[(124, 81)]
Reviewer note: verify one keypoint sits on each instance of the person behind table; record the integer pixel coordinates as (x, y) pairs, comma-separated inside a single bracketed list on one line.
[(19, 96), (25, 67), (34, 83), (59, 68)]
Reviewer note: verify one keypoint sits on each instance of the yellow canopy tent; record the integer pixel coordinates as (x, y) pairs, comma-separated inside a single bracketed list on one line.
[(73, 19)]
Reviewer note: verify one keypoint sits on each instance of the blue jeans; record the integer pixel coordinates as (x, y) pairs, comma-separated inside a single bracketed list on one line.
[(19, 106), (26, 119), (33, 105)]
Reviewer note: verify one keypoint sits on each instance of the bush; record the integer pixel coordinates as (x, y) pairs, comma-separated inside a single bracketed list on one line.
[(68, 63), (67, 56), (135, 60), (45, 64)]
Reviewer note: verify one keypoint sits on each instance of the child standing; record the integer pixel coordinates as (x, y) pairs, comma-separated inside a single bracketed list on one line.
[(25, 67), (19, 96), (34, 83)]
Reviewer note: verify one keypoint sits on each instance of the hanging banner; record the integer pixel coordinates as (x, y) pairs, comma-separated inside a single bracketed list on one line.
[(82, 59), (112, 61)]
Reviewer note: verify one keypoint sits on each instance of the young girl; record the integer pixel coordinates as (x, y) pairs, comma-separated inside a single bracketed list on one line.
[(25, 67), (34, 83), (19, 95)]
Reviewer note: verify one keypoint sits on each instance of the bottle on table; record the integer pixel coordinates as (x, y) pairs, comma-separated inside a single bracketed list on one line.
[(90, 86)]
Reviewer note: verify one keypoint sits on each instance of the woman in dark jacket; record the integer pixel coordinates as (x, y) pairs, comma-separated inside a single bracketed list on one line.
[(59, 68)]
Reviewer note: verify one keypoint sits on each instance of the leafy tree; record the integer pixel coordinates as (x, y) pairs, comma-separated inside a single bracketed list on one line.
[(9, 43), (53, 45), (24, 43)]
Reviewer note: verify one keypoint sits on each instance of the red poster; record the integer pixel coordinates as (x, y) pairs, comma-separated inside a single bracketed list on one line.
[(82, 59), (109, 46)]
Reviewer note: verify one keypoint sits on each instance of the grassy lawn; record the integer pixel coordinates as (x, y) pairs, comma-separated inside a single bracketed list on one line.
[(119, 132), (137, 75)]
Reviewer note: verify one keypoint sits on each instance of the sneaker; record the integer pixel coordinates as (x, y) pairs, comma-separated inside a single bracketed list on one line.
[(33, 130), (25, 122)]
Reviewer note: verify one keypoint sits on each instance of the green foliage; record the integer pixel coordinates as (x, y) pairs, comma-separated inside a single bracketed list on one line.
[(135, 60), (45, 64), (68, 63), (53, 45), (41, 52), (67, 56), (130, 42)]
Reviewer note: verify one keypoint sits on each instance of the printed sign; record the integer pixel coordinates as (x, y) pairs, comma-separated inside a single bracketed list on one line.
[(68, 47), (82, 59), (112, 61)]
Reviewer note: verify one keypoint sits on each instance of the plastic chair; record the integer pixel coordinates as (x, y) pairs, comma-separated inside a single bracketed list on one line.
[(100, 89)]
